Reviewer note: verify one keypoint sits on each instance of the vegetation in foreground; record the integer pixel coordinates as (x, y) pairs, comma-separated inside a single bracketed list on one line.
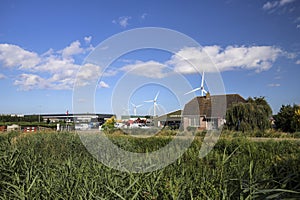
[(57, 166)]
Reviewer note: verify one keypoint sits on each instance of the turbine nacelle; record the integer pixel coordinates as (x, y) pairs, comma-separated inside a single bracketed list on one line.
[(154, 101), (135, 107), (199, 88)]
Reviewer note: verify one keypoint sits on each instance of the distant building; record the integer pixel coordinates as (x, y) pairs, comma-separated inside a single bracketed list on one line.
[(84, 117), (172, 120), (13, 127), (208, 112)]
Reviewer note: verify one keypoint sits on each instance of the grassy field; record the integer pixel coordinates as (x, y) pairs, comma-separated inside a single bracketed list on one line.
[(57, 166)]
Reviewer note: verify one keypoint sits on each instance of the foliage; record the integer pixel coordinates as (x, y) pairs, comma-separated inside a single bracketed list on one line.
[(25, 118), (109, 125), (253, 115), (191, 128), (288, 118), (57, 166)]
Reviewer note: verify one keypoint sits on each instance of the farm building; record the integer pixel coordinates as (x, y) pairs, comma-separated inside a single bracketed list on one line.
[(172, 120), (208, 112)]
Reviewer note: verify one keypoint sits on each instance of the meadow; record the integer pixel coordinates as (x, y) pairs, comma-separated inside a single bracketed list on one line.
[(57, 166)]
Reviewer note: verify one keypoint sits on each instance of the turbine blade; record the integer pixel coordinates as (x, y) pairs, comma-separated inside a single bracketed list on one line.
[(157, 107), (204, 91), (202, 81), (194, 90), (149, 101), (156, 96), (138, 106), (133, 104)]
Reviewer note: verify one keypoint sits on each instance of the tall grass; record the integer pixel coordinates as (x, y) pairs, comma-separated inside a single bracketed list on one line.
[(57, 166)]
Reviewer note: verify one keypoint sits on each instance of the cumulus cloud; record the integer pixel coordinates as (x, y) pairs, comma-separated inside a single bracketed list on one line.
[(88, 39), (55, 70), (122, 21), (15, 56), (30, 81), (88, 74), (191, 60), (150, 69), (71, 50), (298, 62), (58, 70), (102, 84)]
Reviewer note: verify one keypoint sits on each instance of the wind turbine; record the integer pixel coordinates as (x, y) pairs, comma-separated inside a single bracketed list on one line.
[(199, 88), (154, 103), (135, 107)]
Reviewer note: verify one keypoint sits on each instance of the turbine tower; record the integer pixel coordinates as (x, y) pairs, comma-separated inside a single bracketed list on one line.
[(154, 103), (135, 107), (199, 88)]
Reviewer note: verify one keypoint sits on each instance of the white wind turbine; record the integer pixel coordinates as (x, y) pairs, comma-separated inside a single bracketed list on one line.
[(135, 107), (154, 103), (199, 88)]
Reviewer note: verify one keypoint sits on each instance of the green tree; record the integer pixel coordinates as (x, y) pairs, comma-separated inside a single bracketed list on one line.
[(253, 115), (288, 118)]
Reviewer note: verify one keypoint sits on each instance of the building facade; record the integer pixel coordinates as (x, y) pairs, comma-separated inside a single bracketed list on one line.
[(208, 112)]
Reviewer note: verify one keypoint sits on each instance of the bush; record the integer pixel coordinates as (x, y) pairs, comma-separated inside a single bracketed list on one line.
[(191, 128)]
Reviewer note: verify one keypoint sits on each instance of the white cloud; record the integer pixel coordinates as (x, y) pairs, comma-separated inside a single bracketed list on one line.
[(298, 26), (87, 74), (15, 56), (192, 60), (30, 81), (2, 76), (71, 50), (55, 70), (276, 4), (284, 2), (88, 39), (102, 84), (298, 62), (151, 69), (110, 72), (270, 5), (122, 21), (274, 85), (58, 70)]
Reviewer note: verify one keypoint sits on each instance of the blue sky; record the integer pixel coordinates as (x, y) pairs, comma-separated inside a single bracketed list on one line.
[(254, 44)]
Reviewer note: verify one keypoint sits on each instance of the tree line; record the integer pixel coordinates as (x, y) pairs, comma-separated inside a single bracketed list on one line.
[(256, 114), (16, 118)]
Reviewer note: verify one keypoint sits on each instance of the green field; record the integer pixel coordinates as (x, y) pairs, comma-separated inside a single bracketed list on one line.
[(57, 166)]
